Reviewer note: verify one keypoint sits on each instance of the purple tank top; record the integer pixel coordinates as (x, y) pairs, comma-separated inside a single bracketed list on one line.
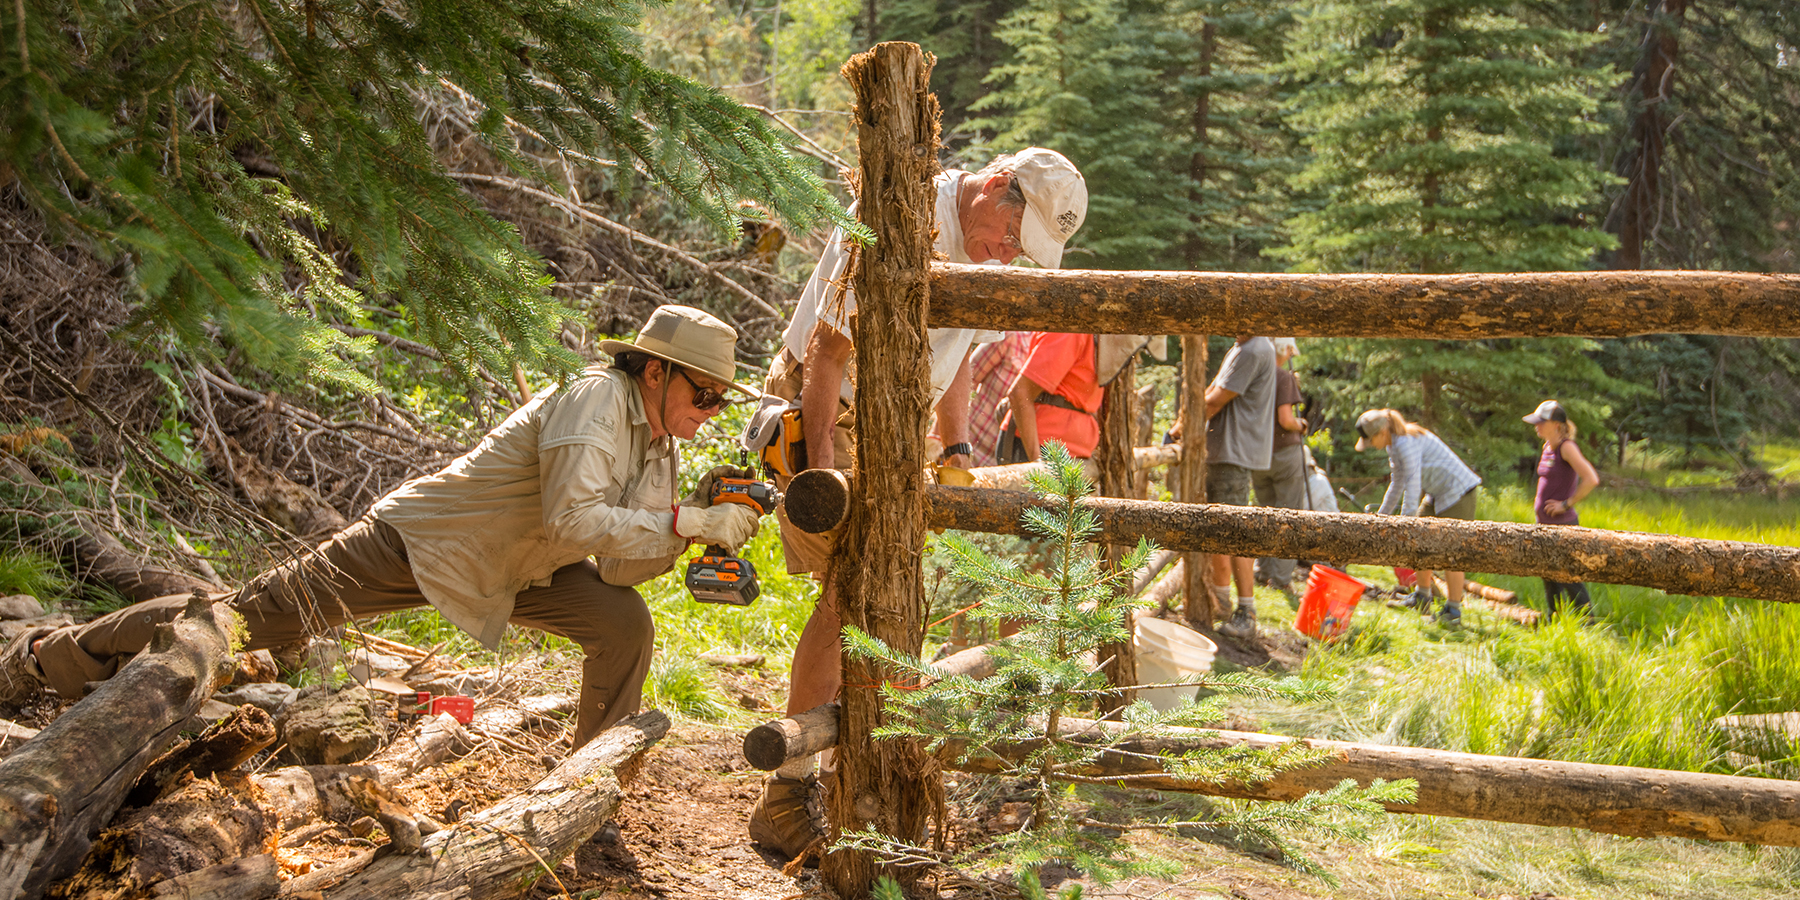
[(1556, 481)]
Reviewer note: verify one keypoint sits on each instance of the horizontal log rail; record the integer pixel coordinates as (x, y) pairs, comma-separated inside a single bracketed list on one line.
[(1675, 565), (1017, 476), (1444, 307), (1623, 800)]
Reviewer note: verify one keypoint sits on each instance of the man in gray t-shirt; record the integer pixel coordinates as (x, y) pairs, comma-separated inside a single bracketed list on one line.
[(1240, 404)]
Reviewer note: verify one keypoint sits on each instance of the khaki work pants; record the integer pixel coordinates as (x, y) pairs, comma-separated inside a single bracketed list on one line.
[(365, 573)]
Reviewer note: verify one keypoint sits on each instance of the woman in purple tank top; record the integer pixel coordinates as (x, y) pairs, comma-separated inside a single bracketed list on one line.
[(1564, 478)]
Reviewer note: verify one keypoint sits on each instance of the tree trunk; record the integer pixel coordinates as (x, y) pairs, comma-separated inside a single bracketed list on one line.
[(60, 788), (1190, 487), (498, 852), (1612, 799), (1440, 307), (1638, 212), (887, 786), (1113, 457), (1675, 565)]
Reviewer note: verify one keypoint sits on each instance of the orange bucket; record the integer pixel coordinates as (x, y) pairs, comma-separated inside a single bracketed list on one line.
[(1331, 597)]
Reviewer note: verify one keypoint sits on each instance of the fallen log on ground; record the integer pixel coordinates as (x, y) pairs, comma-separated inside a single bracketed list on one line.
[(1622, 800), (1675, 565), (1017, 477), (770, 745), (221, 748), (499, 851), (197, 825), (63, 785), (1502, 608), (1440, 307)]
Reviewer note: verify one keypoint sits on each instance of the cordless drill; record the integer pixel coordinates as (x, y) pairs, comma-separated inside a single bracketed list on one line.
[(716, 576)]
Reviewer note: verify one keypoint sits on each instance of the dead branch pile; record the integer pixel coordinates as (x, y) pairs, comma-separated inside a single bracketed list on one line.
[(108, 802)]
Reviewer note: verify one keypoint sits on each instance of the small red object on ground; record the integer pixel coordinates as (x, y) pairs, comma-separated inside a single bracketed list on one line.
[(1330, 599), (1405, 577), (462, 709)]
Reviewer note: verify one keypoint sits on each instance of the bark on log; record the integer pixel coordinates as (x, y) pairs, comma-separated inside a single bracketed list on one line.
[(502, 850), (887, 786), (1675, 565), (770, 745), (223, 747), (200, 824), (1623, 800), (435, 740), (250, 878), (1441, 307), (59, 789)]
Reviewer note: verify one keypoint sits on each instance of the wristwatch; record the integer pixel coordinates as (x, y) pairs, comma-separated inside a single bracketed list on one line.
[(964, 448)]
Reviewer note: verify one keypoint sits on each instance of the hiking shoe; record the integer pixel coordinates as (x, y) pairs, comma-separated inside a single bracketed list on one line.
[(1421, 600), (790, 816), (1241, 626), (21, 681), (1450, 616)]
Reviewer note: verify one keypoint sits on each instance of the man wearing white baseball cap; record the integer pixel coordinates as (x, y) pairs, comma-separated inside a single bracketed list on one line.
[(502, 534), (1027, 203)]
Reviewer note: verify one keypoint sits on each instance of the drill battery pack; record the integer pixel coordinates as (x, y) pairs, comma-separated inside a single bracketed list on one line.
[(718, 577)]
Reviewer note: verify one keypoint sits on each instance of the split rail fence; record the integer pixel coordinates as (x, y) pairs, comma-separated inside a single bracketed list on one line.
[(884, 786)]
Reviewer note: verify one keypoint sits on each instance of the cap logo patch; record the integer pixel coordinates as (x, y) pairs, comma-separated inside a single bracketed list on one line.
[(1066, 220)]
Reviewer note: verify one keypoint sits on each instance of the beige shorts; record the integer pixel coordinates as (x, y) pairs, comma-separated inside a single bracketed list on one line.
[(809, 554)]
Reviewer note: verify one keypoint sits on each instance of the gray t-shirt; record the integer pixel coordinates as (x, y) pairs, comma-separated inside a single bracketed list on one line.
[(1240, 433)]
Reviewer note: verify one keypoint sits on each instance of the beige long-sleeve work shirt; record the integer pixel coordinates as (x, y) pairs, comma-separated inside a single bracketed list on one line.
[(574, 473)]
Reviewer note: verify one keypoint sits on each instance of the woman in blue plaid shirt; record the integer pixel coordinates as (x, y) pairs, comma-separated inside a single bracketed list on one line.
[(1427, 479)]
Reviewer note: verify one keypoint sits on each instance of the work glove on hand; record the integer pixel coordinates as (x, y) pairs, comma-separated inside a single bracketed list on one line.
[(701, 495), (730, 525)]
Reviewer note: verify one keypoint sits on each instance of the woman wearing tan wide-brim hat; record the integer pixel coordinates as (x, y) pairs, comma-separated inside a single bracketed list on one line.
[(547, 523)]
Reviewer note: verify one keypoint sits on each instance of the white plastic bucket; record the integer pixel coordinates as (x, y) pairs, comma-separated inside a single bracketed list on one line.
[(1166, 652)]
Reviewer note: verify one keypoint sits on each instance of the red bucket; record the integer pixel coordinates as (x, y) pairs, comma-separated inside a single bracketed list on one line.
[(1331, 597), (1405, 577)]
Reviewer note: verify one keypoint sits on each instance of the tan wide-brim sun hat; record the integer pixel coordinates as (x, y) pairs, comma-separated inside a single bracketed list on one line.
[(688, 337)]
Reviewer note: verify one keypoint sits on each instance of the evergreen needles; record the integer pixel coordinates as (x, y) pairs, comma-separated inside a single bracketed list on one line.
[(1026, 718), (261, 168)]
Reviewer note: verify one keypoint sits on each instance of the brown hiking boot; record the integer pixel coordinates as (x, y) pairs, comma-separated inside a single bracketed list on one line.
[(790, 816), (21, 681)]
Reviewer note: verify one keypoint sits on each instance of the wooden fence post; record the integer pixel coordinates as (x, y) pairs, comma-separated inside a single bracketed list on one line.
[(888, 786), (1197, 567), (1114, 461)]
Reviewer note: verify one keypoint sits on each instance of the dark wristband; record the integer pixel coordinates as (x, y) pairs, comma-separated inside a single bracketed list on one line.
[(964, 448)]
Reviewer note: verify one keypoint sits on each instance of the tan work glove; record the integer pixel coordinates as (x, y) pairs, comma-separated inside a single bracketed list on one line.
[(701, 495), (730, 525)]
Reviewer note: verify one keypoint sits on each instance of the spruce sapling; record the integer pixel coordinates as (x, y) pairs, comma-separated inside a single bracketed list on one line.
[(1047, 680)]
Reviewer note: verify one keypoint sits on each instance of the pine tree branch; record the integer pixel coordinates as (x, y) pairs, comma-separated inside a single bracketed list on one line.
[(588, 215)]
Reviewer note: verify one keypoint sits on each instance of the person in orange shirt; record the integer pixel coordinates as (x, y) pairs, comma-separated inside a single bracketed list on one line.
[(1055, 398)]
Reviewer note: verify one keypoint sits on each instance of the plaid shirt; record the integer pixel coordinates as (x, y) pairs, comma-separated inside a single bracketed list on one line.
[(1423, 464), (993, 368)]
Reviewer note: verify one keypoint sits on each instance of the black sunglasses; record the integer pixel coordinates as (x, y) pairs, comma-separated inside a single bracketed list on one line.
[(705, 398)]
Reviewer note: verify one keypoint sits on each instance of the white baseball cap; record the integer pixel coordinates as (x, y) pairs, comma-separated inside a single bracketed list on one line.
[(688, 337), (1056, 200), (1286, 343)]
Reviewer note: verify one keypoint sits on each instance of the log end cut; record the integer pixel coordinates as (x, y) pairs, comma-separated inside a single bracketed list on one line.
[(817, 500)]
